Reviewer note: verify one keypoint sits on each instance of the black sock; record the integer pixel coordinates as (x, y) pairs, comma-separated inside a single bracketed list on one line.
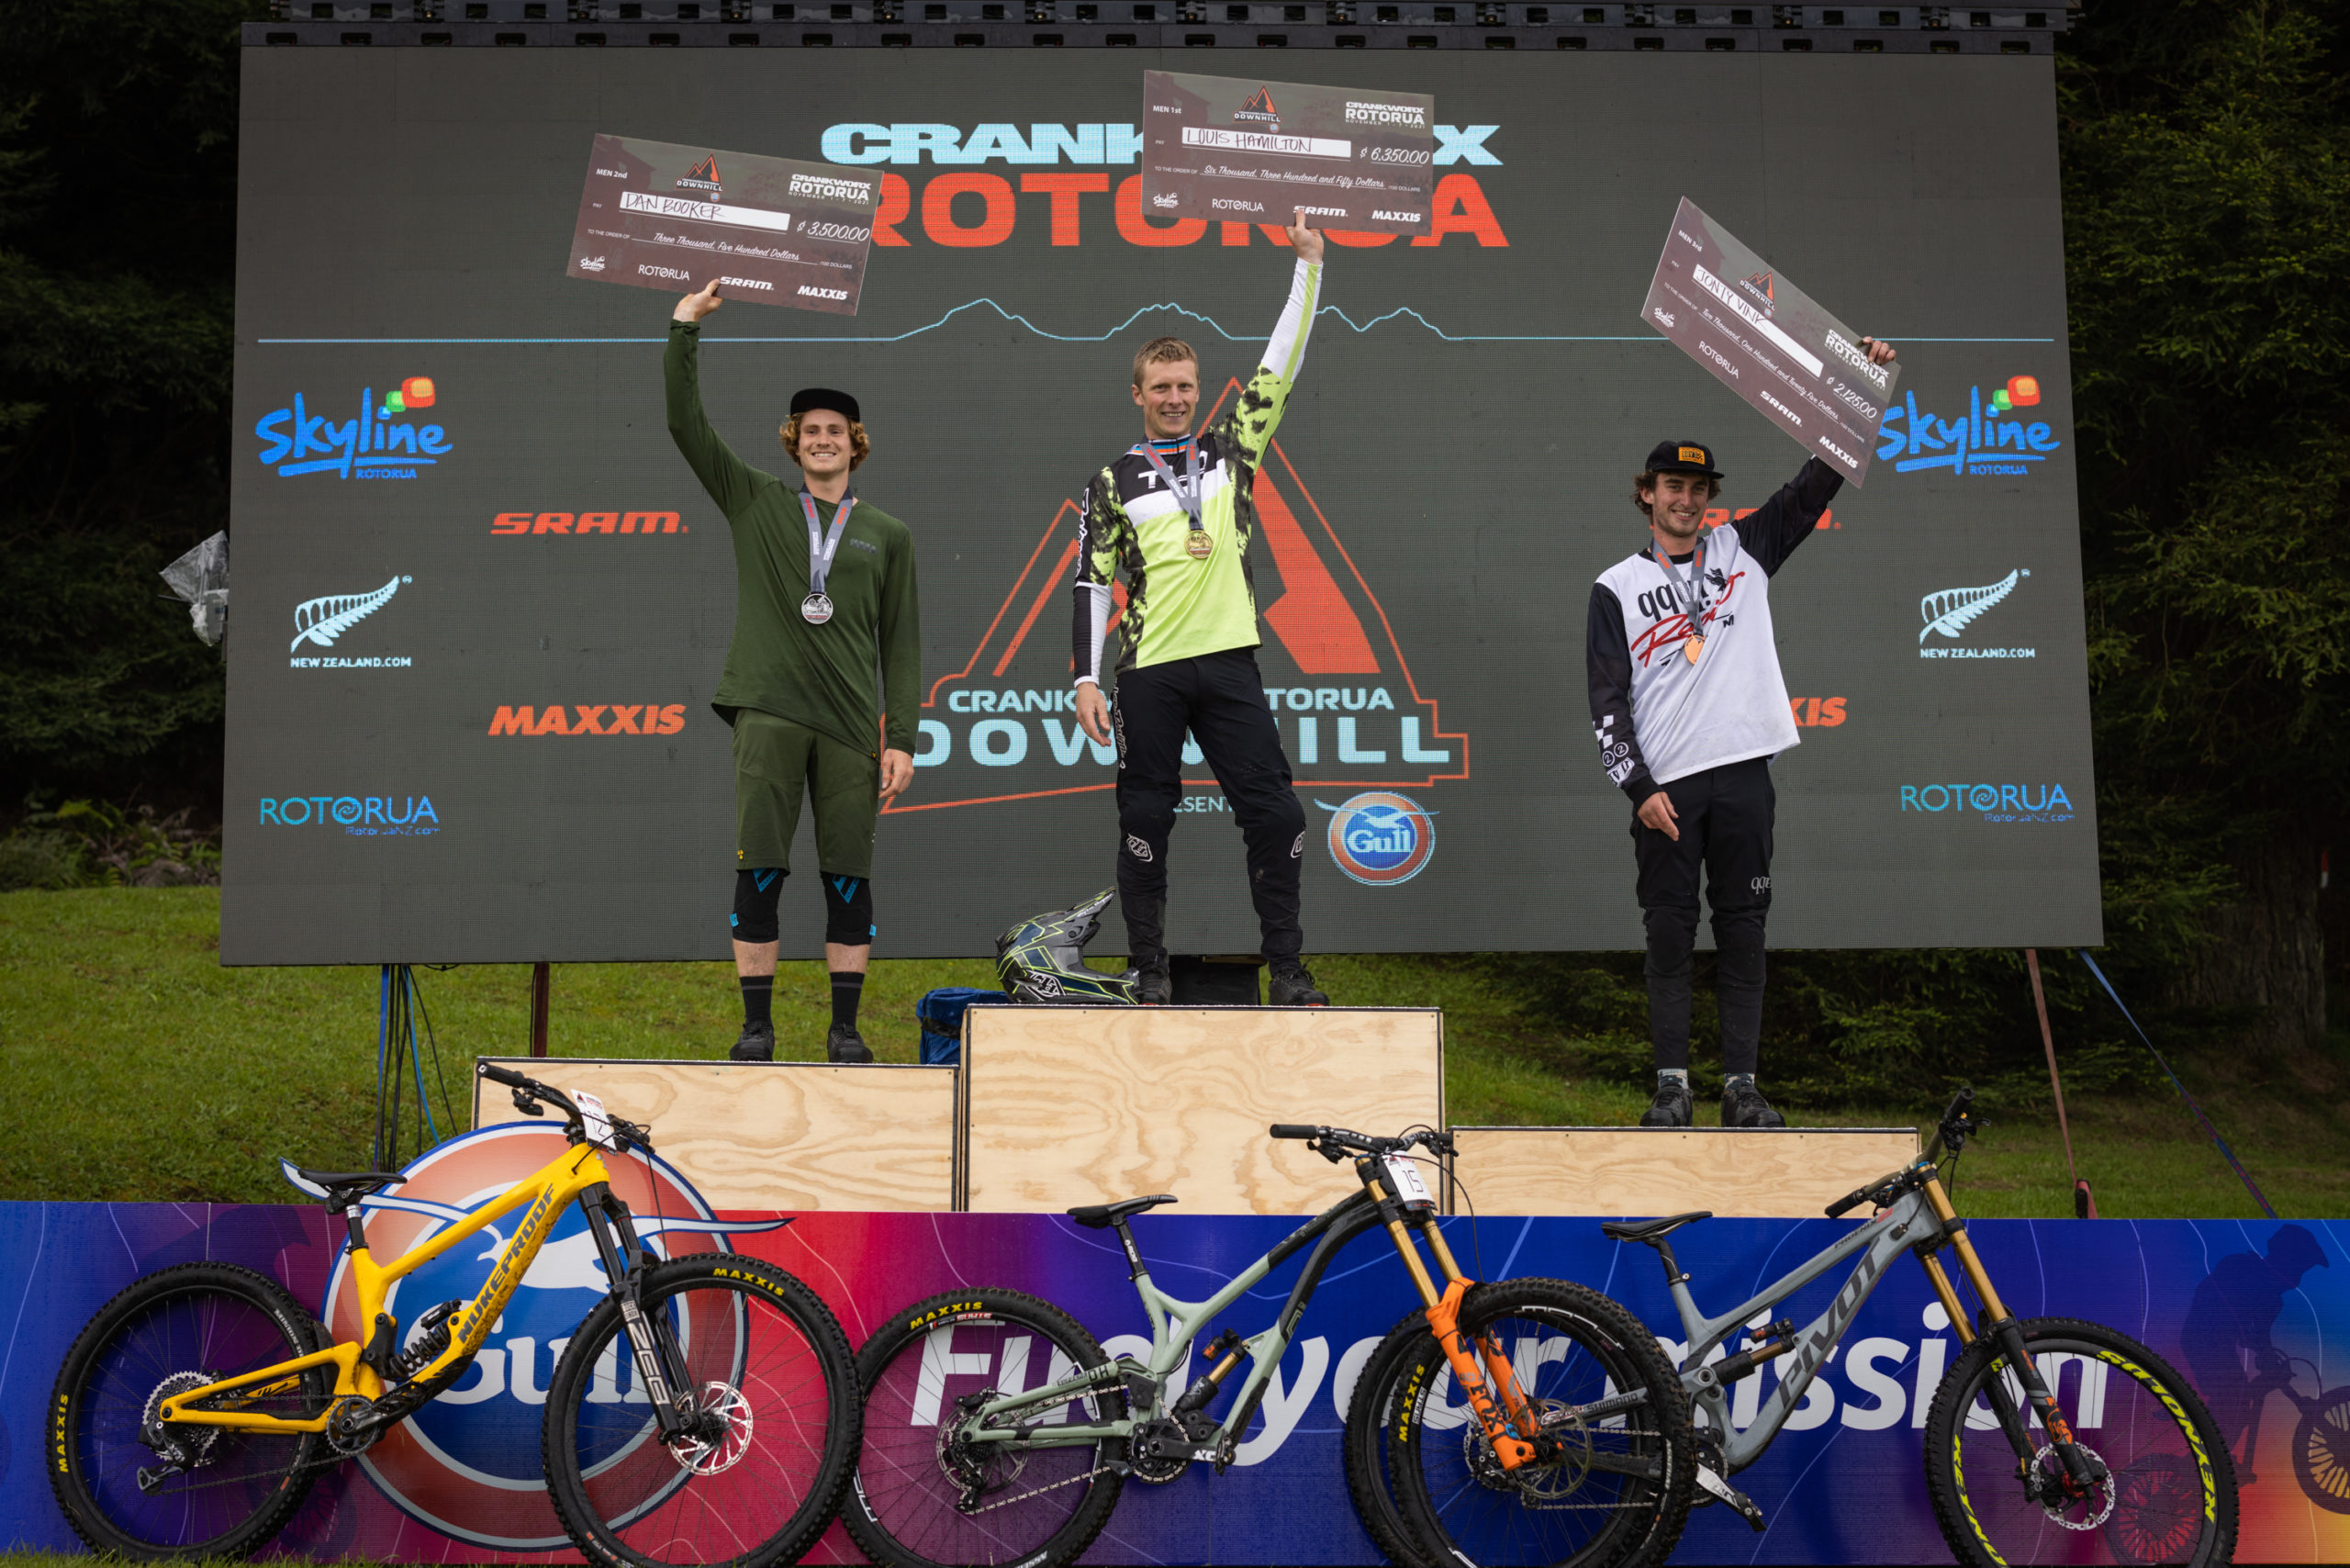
[(758, 999), (847, 988)]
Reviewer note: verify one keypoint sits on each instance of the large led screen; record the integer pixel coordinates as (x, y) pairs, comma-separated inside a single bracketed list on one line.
[(454, 458)]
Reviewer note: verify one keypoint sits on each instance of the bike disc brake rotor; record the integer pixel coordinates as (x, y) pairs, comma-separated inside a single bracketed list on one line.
[(2055, 1501), (185, 1446), (720, 1434), (1542, 1483)]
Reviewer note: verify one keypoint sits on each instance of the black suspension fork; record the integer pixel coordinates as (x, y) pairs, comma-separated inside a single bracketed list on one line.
[(2002, 1327), (660, 1362)]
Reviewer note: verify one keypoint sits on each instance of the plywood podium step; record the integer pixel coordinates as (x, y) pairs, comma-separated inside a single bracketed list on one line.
[(1781, 1173), (1068, 1106), (785, 1134)]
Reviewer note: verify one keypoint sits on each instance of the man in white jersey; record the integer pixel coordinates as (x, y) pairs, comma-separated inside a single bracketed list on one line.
[(1689, 707)]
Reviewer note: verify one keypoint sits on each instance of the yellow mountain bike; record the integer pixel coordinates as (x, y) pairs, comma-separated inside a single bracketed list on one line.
[(705, 1410)]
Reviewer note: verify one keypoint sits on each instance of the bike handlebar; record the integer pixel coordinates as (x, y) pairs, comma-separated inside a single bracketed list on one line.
[(1331, 1141), (527, 1087)]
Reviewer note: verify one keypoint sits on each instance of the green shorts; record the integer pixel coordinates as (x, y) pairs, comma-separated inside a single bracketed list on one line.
[(774, 760)]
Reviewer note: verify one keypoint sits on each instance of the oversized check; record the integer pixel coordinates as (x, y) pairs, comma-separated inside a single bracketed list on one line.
[(1769, 341), (1246, 151), (660, 216)]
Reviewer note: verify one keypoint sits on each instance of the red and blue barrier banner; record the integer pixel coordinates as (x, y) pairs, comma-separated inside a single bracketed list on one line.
[(2243, 1309)]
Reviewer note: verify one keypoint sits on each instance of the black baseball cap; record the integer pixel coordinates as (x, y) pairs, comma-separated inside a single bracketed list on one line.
[(812, 398), (1668, 457)]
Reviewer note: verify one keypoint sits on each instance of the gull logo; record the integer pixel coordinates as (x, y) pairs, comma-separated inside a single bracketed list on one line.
[(591, 263), (1379, 837), (1947, 612), (466, 1464), (322, 619)]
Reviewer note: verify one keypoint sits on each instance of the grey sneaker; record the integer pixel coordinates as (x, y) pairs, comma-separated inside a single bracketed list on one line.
[(845, 1044), (757, 1044), (1672, 1106), (1291, 986), (1153, 986), (1743, 1106)]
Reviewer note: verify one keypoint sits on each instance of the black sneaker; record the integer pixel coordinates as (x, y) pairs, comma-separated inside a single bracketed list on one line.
[(1743, 1106), (1153, 986), (1291, 986), (757, 1044), (1672, 1106), (845, 1044)]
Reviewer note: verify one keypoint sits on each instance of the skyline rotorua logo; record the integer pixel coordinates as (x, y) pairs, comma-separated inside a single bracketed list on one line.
[(467, 1463), (378, 443), (319, 621), (1380, 838), (1948, 612), (1259, 110), (1992, 802), (1983, 441), (358, 816)]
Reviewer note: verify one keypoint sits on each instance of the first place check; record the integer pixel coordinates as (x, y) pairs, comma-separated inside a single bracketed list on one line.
[(1248, 152), (657, 215), (1768, 342)]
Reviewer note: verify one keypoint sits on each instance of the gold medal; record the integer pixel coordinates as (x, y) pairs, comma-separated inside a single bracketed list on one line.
[(1199, 545), (1691, 648)]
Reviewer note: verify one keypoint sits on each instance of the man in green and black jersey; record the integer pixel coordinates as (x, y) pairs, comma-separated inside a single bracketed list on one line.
[(825, 593), (1174, 515)]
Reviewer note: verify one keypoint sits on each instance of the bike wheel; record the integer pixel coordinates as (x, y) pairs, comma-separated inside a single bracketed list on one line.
[(2171, 1495), (1622, 1493), (2321, 1450), (1036, 1506), (1368, 1410), (775, 1392), (201, 1491)]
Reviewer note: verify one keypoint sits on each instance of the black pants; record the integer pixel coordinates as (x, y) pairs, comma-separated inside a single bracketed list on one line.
[(1219, 698), (1725, 816)]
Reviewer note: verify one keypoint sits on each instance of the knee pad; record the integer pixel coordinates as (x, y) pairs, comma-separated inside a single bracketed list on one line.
[(755, 892), (1671, 939), (848, 910)]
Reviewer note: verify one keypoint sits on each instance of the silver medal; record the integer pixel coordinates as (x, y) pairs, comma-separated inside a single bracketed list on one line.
[(816, 609)]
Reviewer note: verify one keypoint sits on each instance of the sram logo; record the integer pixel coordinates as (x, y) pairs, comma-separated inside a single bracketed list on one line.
[(585, 523)]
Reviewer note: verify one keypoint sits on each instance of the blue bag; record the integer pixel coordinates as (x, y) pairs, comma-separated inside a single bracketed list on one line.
[(940, 1013)]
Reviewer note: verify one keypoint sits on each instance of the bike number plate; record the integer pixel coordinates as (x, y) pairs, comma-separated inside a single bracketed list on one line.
[(592, 1119), (1404, 1175)]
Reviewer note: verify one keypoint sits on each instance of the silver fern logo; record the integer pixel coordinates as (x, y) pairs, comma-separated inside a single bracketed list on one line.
[(1948, 612), (321, 621)]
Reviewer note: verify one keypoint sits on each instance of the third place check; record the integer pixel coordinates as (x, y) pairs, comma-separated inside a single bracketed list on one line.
[(1769, 343), (1251, 152)]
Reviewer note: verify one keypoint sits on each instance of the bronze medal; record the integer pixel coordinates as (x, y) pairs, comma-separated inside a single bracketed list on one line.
[(1691, 648)]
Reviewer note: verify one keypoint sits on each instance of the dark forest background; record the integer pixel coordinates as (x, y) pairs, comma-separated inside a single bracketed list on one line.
[(2207, 175)]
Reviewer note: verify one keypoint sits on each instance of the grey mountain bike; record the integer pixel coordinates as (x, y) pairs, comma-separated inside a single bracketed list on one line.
[(997, 1430), (2043, 1431)]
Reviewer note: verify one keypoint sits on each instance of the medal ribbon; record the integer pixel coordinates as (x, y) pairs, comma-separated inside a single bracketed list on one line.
[(1695, 586), (822, 546), (1187, 491)]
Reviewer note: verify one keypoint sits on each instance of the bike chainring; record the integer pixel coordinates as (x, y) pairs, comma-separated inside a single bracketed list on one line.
[(349, 1430), (1162, 1449), (2047, 1484), (1549, 1480)]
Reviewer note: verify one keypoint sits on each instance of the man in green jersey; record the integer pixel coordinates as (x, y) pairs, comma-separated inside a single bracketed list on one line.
[(1174, 514), (825, 592)]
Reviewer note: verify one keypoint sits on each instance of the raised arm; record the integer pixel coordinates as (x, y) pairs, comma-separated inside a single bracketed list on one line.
[(1257, 414), (1772, 531), (730, 481)]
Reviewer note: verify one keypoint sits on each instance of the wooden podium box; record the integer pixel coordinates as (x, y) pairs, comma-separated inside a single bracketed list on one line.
[(1793, 1173), (785, 1134), (1068, 1106)]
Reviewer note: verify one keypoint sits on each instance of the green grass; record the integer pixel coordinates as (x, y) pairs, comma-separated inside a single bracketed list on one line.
[(133, 1067)]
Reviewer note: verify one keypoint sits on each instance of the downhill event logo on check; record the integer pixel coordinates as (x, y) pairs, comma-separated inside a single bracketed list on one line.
[(660, 216), (1244, 151)]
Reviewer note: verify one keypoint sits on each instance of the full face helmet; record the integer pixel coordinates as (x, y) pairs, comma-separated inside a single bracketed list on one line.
[(1042, 958)]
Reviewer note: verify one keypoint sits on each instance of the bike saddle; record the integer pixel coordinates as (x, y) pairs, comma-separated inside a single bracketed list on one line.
[(1094, 1216), (341, 1189), (1649, 1229)]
